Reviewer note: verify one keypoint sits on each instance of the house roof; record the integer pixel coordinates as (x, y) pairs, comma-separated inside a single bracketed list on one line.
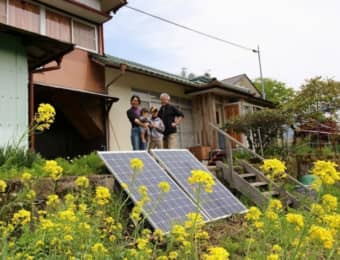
[(198, 85), (115, 62), (223, 88), (235, 79), (40, 49)]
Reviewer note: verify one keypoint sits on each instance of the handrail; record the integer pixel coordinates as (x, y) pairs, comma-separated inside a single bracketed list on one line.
[(236, 141), (254, 153)]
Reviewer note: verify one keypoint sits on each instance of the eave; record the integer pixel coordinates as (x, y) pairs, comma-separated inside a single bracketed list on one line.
[(40, 49)]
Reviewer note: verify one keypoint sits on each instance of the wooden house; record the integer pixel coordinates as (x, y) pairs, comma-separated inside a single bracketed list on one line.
[(44, 57)]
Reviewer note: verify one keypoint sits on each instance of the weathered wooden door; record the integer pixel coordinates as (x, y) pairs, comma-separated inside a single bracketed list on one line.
[(230, 112)]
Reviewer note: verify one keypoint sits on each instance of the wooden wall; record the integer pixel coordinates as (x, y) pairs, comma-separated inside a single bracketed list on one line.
[(76, 72), (204, 112)]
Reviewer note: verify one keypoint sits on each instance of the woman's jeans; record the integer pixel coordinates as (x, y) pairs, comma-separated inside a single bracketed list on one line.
[(135, 139)]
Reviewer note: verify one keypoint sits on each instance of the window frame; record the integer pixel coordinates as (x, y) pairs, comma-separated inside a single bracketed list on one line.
[(88, 24), (43, 22)]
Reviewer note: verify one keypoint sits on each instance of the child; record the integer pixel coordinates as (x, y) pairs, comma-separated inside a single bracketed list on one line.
[(157, 129), (144, 132)]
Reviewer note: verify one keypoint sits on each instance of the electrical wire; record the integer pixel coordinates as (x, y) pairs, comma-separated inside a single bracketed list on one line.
[(191, 29)]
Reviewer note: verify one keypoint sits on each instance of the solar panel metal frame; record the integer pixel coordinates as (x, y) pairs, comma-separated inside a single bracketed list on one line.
[(164, 165), (171, 181)]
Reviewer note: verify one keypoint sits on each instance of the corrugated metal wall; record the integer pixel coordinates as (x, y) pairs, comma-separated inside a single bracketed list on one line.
[(13, 91)]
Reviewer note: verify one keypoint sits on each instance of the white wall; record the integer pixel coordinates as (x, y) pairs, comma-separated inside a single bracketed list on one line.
[(13, 91)]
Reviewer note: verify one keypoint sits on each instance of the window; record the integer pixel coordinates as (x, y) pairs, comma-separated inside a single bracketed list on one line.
[(84, 35), (58, 26), (24, 15), (3, 11)]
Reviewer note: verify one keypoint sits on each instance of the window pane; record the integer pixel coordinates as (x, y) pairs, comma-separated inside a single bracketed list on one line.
[(24, 15), (58, 26), (2, 11), (84, 35)]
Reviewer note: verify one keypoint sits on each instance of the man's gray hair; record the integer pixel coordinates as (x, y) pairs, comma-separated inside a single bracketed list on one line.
[(165, 95)]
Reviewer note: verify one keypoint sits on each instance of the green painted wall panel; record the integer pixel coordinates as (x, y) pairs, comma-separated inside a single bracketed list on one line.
[(13, 90)]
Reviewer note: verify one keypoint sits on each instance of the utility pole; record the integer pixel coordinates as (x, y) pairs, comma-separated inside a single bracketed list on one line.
[(260, 66)]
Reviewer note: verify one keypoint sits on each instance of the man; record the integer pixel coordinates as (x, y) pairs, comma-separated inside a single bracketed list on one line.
[(171, 118)]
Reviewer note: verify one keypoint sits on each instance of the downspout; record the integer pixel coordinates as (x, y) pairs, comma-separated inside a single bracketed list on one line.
[(123, 68)]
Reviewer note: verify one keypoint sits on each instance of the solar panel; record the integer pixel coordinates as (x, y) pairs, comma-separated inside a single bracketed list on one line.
[(179, 163), (175, 204)]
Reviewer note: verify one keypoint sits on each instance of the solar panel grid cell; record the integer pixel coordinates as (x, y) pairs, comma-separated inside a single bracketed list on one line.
[(218, 204), (164, 209)]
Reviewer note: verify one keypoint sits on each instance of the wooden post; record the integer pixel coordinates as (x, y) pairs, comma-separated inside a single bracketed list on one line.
[(229, 155)]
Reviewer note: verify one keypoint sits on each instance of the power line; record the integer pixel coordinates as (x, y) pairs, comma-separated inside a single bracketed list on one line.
[(192, 30)]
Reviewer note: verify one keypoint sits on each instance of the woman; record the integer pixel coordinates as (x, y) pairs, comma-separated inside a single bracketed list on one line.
[(133, 114)]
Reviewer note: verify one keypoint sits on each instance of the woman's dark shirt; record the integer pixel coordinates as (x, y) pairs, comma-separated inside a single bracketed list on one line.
[(132, 114)]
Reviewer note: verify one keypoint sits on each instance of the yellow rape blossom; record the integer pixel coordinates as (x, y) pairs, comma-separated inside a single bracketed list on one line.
[(194, 220), (99, 248), (164, 186), (273, 257), (53, 169), (173, 255), (68, 215), (277, 249), (136, 164), (274, 168), (45, 116), (253, 214), (326, 171), (31, 195), (47, 224), (102, 195), (329, 202), (271, 215), (21, 217), (84, 227), (317, 210), (3, 186), (82, 182), (68, 238), (259, 224), (26, 177), (142, 243), (275, 205), (323, 235), (202, 179), (52, 200), (39, 243), (332, 221), (178, 232), (135, 213), (162, 257), (216, 253), (296, 219)]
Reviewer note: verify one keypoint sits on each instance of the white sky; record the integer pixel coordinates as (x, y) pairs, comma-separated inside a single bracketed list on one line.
[(298, 39)]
